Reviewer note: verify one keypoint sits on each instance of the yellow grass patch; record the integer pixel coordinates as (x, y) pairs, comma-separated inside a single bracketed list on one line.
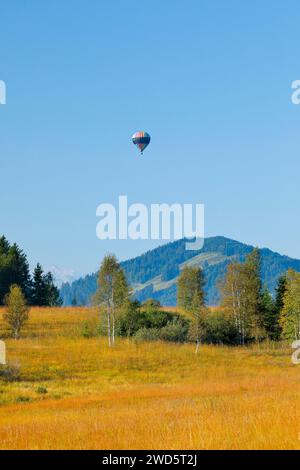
[(75, 393)]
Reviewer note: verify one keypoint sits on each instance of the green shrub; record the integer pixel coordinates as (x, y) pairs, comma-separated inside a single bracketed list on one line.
[(11, 372), (175, 332), (89, 329), (219, 329), (42, 390), (22, 399), (149, 316), (147, 334), (131, 319)]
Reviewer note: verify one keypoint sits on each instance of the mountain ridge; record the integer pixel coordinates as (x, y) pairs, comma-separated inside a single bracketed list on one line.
[(154, 273)]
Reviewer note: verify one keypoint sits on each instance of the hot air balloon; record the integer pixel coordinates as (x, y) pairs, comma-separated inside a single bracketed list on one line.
[(141, 140)]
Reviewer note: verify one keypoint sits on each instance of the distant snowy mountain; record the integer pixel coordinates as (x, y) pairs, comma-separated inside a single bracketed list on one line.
[(63, 275)]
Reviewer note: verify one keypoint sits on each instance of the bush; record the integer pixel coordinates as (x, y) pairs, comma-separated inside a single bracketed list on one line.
[(11, 372), (176, 332), (89, 329), (219, 329), (149, 316), (42, 390), (147, 334), (22, 399), (86, 330), (131, 319)]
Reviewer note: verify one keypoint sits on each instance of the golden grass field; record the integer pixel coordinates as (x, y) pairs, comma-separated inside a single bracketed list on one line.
[(143, 396)]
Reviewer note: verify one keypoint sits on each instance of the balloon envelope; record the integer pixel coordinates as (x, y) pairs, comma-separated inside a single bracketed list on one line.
[(141, 140)]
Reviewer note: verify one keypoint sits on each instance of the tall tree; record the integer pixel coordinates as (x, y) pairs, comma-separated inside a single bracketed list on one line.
[(191, 298), (190, 282), (290, 313), (17, 311), (241, 295), (197, 327), (4, 268), (280, 293), (112, 292), (233, 300), (272, 308), (44, 291), (253, 292), (4, 246), (53, 296), (270, 318), (14, 269), (39, 289)]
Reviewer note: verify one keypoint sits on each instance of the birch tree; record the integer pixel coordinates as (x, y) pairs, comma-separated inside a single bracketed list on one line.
[(112, 292), (233, 299), (190, 282), (190, 297), (241, 297), (197, 314)]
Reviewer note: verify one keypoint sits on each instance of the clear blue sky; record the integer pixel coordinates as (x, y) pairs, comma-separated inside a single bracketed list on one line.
[(209, 80)]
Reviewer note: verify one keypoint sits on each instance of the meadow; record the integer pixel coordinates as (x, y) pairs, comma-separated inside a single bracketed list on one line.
[(68, 390)]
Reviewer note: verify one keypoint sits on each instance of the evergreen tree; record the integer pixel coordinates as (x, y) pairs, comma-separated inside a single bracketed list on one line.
[(272, 309), (39, 288), (280, 293), (52, 292), (14, 269), (44, 291), (270, 317), (4, 268), (4, 246)]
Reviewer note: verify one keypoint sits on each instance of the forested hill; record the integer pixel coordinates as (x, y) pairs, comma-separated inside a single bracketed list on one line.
[(154, 274)]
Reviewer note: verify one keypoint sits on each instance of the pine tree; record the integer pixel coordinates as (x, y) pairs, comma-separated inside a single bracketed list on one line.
[(39, 288), (44, 291), (270, 317), (52, 292), (4, 246), (280, 293), (4, 268), (272, 309), (14, 269)]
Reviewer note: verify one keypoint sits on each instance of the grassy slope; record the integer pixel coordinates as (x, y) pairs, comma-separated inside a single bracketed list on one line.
[(143, 396)]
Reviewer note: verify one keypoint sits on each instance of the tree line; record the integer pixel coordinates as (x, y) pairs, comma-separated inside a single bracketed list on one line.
[(255, 314), (247, 313), (38, 289)]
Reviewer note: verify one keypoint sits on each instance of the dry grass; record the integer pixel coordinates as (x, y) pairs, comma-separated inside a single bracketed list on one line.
[(143, 396)]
